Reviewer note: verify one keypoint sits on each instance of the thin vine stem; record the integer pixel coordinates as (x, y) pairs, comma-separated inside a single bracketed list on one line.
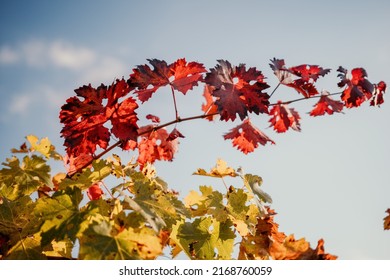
[(274, 90), (305, 98), (174, 103)]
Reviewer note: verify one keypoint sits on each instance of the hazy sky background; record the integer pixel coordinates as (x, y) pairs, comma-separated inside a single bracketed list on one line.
[(330, 181)]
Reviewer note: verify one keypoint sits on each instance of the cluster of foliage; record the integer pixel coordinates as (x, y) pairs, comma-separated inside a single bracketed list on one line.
[(138, 219), (95, 115), (138, 216)]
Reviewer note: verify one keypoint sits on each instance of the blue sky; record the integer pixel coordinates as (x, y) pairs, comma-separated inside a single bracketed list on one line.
[(330, 181)]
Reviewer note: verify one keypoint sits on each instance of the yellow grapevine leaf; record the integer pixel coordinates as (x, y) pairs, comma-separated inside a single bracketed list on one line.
[(220, 170), (44, 147)]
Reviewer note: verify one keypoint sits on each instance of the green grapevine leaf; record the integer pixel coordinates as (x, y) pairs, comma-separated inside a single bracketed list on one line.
[(62, 216), (27, 248), (100, 170), (19, 226), (102, 242), (244, 216), (223, 238), (204, 238), (210, 202), (194, 238), (154, 199), (20, 179)]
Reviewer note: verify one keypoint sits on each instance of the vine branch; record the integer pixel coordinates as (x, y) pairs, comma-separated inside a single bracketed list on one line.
[(178, 120)]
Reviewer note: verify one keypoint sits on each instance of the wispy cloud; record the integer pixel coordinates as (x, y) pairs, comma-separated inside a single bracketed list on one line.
[(39, 53), (80, 64), (8, 55), (88, 63)]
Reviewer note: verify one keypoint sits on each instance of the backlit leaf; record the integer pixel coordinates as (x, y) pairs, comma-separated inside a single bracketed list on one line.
[(283, 118), (220, 170), (237, 90), (19, 227), (326, 105), (62, 216), (357, 88), (44, 147), (246, 137), (301, 77), (102, 242), (19, 179)]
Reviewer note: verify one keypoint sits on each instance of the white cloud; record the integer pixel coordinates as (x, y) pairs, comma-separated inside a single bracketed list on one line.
[(80, 64), (65, 55), (20, 104), (90, 65), (34, 53), (8, 55), (105, 70), (58, 53)]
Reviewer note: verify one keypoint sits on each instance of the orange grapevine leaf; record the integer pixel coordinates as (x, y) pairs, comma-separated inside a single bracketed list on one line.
[(357, 88), (282, 118), (246, 137), (306, 75), (326, 105), (238, 90), (73, 164), (156, 146), (209, 108), (186, 75), (269, 243)]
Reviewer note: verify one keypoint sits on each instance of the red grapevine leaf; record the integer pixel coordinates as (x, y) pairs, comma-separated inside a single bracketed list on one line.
[(282, 118), (153, 118), (209, 108), (174, 134), (84, 117), (83, 121), (246, 137), (117, 90), (326, 105), (124, 120), (377, 96), (73, 164), (309, 72), (148, 81), (238, 91), (186, 75), (358, 88), (306, 76), (94, 192)]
